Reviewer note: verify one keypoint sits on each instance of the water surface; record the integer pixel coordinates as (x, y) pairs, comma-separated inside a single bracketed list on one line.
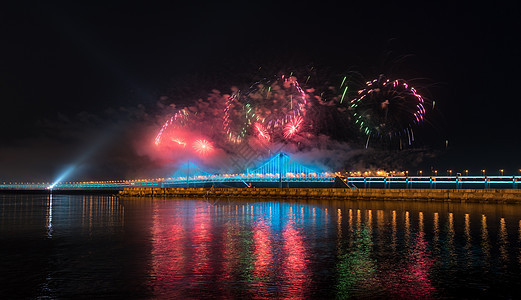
[(94, 246)]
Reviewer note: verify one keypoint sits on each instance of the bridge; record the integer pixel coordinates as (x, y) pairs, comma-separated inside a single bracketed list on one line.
[(278, 171)]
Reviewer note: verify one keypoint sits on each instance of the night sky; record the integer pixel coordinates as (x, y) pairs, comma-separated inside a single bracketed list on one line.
[(76, 79)]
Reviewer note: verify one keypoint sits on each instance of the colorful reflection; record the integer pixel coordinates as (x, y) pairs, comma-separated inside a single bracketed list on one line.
[(295, 276), (169, 242), (356, 268), (257, 249), (409, 277), (283, 250), (263, 265), (238, 249), (416, 283), (201, 239)]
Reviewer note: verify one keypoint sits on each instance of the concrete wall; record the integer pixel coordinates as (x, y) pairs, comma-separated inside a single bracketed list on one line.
[(443, 195)]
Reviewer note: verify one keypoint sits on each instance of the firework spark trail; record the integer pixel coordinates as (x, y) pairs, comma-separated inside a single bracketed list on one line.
[(179, 141), (177, 120), (246, 115)]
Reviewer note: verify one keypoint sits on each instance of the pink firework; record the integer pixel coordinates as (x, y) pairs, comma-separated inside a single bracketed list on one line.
[(292, 127), (203, 147), (178, 120), (262, 132)]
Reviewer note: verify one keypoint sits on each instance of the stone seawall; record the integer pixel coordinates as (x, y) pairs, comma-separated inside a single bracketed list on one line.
[(440, 195)]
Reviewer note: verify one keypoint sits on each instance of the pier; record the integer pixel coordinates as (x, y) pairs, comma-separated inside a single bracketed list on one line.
[(437, 195)]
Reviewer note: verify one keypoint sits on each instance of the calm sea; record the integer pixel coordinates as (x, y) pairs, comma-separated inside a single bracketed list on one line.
[(95, 246)]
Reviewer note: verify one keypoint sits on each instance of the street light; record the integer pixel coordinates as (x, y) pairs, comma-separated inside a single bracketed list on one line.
[(466, 172), (483, 172), (501, 172), (421, 172)]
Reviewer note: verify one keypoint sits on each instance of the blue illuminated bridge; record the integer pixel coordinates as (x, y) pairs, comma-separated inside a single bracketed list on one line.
[(278, 171)]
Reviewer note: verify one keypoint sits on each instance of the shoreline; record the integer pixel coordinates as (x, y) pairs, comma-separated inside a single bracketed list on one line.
[(500, 196)]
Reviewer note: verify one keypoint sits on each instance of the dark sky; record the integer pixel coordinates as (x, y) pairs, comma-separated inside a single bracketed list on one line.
[(73, 75)]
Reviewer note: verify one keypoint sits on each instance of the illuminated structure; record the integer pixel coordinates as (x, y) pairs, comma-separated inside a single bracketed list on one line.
[(279, 171)]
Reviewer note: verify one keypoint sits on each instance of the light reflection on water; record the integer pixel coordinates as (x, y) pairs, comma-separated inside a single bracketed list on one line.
[(102, 246)]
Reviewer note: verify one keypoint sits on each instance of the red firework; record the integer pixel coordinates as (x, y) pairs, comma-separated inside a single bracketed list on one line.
[(293, 127), (203, 147), (262, 132)]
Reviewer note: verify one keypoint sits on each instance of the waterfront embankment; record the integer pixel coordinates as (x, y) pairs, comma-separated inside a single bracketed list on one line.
[(440, 195)]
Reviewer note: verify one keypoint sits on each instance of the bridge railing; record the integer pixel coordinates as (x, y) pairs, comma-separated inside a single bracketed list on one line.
[(79, 185), (248, 178), (456, 182)]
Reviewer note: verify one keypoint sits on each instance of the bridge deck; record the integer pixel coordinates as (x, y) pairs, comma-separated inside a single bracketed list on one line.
[(410, 182)]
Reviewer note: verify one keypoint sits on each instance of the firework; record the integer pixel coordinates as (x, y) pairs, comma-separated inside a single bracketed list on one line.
[(203, 146), (277, 111), (387, 108), (293, 127), (178, 132), (237, 118), (280, 103), (177, 121), (269, 105), (262, 133)]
